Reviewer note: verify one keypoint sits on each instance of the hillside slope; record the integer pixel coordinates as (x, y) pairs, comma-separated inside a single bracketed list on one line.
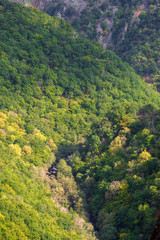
[(64, 101), (130, 28)]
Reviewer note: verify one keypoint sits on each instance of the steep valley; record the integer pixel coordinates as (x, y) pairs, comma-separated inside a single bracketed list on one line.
[(79, 129)]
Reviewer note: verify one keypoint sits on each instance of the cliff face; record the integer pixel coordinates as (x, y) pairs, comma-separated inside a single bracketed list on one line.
[(94, 19), (100, 20)]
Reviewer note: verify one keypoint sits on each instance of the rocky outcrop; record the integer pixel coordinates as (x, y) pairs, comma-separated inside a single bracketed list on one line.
[(97, 20), (40, 4)]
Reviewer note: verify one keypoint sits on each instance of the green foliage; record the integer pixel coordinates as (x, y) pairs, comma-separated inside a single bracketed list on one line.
[(133, 30), (68, 112), (104, 6), (126, 179), (141, 42)]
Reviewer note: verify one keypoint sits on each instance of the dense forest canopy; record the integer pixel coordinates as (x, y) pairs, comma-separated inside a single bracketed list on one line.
[(130, 28), (79, 135)]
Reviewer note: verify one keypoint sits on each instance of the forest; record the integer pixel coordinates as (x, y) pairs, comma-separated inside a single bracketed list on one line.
[(129, 28), (79, 135)]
